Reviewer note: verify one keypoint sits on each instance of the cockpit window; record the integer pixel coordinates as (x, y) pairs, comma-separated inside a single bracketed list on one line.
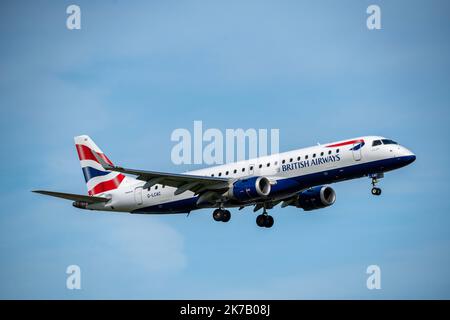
[(376, 143), (387, 141)]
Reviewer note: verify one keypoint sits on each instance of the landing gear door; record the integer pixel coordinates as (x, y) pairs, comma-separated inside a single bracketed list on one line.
[(356, 150)]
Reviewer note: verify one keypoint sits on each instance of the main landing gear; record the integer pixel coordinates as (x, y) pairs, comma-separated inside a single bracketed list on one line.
[(264, 220), (221, 215), (375, 190)]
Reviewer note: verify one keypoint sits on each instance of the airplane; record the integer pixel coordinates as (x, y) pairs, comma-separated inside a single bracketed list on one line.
[(298, 178)]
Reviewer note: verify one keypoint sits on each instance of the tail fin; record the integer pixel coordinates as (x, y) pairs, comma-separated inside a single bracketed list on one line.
[(98, 180)]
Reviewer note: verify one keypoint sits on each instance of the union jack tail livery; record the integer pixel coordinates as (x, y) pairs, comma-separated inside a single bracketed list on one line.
[(98, 180)]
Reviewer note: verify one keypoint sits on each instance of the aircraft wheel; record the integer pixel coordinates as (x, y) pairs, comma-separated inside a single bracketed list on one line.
[(268, 223), (226, 216), (218, 215), (260, 220), (376, 191)]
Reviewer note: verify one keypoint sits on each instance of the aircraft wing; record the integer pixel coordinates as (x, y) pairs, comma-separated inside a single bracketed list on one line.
[(183, 182), (71, 196)]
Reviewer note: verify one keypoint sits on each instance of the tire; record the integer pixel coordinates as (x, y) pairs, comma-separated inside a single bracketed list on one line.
[(260, 221), (268, 223), (376, 191), (226, 216), (217, 215)]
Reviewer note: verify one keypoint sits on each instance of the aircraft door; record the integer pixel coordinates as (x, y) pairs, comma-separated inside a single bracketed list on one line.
[(356, 150), (138, 195)]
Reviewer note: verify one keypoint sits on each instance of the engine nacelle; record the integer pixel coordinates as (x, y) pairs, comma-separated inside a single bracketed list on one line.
[(250, 188), (316, 198)]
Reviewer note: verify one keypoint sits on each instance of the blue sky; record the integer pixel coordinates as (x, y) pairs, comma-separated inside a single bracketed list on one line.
[(138, 70)]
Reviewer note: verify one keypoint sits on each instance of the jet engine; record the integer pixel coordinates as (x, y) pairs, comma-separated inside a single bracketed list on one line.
[(250, 188), (316, 198)]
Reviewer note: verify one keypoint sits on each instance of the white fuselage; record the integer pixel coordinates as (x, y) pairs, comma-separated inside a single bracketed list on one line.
[(322, 163)]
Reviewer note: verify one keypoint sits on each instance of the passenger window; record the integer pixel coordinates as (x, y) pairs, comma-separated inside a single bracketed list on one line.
[(243, 169), (251, 168), (220, 174), (306, 157), (321, 154), (329, 151), (226, 173), (156, 187), (283, 162), (276, 162), (290, 160), (268, 164), (376, 143), (235, 171), (314, 155), (212, 175), (337, 150)]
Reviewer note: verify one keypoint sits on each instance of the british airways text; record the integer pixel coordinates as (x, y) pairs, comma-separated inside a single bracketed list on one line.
[(309, 163)]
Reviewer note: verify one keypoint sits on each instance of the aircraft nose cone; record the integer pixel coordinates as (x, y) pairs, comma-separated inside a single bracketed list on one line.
[(409, 159)]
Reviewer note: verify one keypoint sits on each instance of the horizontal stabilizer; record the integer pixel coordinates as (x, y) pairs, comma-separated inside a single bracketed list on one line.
[(74, 197)]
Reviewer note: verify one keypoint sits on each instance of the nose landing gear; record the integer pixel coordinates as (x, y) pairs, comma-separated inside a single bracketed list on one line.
[(375, 190)]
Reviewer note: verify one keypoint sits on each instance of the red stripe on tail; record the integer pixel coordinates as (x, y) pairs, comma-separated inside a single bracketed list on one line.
[(107, 185), (85, 153)]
